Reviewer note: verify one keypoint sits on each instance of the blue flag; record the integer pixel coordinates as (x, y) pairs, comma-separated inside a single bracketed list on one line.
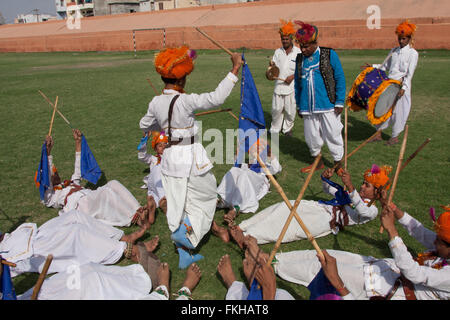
[(322, 289), (42, 177), (89, 167), (255, 291), (251, 117), (6, 285), (341, 196), (143, 142)]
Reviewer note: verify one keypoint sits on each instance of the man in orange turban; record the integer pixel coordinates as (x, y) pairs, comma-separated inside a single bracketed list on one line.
[(283, 99), (189, 184), (400, 64)]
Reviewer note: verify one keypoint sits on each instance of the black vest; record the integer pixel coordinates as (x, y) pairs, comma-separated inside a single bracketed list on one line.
[(326, 70)]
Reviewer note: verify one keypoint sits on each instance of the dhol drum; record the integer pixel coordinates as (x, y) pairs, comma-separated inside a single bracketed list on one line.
[(374, 92)]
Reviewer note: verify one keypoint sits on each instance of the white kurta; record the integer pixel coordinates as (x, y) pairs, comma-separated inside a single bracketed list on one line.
[(147, 158), (365, 276), (191, 190), (400, 64), (283, 100), (112, 203), (72, 238), (93, 281), (266, 225)]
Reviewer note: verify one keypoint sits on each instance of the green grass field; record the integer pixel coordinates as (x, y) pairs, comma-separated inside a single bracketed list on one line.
[(106, 94)]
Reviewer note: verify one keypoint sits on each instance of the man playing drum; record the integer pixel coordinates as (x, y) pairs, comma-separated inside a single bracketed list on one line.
[(401, 64), (319, 94), (283, 99)]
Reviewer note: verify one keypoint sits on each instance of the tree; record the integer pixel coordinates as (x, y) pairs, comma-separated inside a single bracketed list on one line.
[(2, 19)]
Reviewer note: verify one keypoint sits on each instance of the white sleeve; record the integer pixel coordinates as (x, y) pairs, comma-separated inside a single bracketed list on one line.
[(143, 155), (148, 122), (212, 99), (76, 176), (50, 172), (386, 65), (411, 68), (361, 207), (417, 274), (418, 231), (327, 188)]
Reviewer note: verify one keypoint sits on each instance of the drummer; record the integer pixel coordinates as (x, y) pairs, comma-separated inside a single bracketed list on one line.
[(283, 99), (400, 65)]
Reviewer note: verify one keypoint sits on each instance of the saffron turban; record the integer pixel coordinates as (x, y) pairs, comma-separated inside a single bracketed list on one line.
[(405, 29), (287, 28), (442, 225), (175, 63), (378, 176), (158, 137)]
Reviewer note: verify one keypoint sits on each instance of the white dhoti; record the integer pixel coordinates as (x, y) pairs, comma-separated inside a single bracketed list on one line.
[(324, 127), (283, 112), (194, 197), (266, 225), (73, 238), (95, 282), (113, 204), (363, 276), (399, 117), (244, 188), (238, 291)]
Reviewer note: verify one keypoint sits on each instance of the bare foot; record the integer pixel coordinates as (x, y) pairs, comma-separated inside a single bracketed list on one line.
[(250, 268), (220, 232), (163, 205), (151, 245), (230, 216), (164, 275), (237, 235), (193, 275), (134, 236), (376, 138), (253, 249), (226, 271)]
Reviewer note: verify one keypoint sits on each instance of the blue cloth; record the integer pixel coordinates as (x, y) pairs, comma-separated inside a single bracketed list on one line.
[(251, 118), (179, 235), (341, 196), (255, 291), (322, 289), (6, 285), (89, 166), (43, 176), (310, 91), (143, 142), (186, 258)]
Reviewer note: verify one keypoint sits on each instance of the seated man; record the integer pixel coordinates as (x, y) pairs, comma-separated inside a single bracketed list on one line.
[(72, 238), (321, 217), (112, 203), (399, 278)]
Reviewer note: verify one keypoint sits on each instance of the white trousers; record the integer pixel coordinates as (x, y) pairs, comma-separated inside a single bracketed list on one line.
[(283, 113), (194, 197), (399, 117), (324, 127)]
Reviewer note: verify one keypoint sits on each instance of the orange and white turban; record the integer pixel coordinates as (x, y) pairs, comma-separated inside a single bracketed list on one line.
[(158, 137), (175, 63), (378, 176), (442, 225)]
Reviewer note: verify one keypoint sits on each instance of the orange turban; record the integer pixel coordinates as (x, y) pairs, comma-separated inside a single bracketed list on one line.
[(287, 28), (405, 29), (175, 63), (442, 225), (158, 137), (378, 177)]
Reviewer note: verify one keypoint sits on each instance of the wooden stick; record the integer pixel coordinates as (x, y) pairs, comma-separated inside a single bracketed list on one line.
[(233, 115), (41, 278), (215, 42), (53, 117), (412, 156), (345, 139), (156, 92), (397, 171), (57, 110), (358, 148), (212, 111), (9, 263), (292, 208)]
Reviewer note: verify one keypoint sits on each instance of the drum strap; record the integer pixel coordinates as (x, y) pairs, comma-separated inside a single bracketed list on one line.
[(326, 70)]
